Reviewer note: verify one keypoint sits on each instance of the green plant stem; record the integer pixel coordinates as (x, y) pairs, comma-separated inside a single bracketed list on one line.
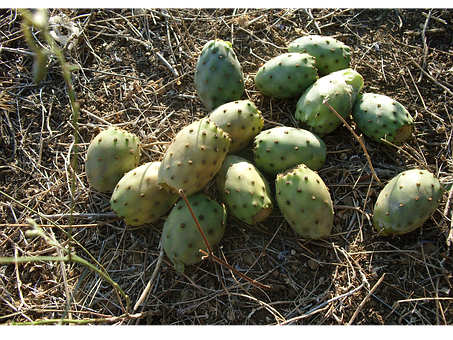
[(28, 20), (74, 258), (40, 232)]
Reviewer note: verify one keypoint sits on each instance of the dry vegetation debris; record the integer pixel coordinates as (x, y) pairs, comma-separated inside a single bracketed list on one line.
[(136, 71)]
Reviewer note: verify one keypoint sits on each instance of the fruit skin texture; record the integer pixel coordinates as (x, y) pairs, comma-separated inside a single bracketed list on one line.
[(287, 75), (194, 157), (181, 239), (137, 197), (342, 88), (281, 148), (331, 54), (111, 154), (241, 120), (218, 75), (379, 116), (244, 190), (406, 202), (305, 202)]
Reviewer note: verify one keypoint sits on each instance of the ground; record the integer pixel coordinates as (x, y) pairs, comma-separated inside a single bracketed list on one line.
[(136, 71)]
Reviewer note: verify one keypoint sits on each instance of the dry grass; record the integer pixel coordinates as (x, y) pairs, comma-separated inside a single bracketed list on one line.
[(136, 71)]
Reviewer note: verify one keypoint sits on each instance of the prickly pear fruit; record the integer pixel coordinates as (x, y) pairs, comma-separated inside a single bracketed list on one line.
[(181, 239), (287, 75), (282, 147), (341, 89), (241, 120), (379, 116), (218, 74), (111, 154), (194, 157), (244, 190), (331, 54), (304, 200), (406, 202), (137, 197)]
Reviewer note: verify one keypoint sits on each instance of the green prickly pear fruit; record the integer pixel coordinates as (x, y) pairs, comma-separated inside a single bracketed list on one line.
[(406, 202), (181, 239), (380, 117), (244, 190), (287, 75), (331, 54), (218, 75), (282, 147), (341, 89), (304, 200), (194, 157), (241, 120), (111, 154), (137, 197)]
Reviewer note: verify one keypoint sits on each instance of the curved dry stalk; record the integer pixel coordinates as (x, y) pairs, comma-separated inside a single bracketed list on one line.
[(210, 254), (205, 240), (326, 102), (144, 295)]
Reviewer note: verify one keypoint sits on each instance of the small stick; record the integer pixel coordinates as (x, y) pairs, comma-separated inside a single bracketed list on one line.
[(25, 225), (234, 270), (308, 11), (144, 295), (210, 254), (430, 76), (326, 102), (205, 240), (168, 65), (365, 300), (425, 46), (179, 32)]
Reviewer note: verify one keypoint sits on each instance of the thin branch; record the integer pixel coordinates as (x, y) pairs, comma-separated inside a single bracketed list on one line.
[(210, 255), (425, 46), (144, 295), (234, 270), (359, 139), (205, 240), (429, 76), (366, 299)]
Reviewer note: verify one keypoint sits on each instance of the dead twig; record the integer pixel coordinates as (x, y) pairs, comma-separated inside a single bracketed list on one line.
[(371, 292), (425, 45), (210, 255), (429, 76), (148, 287), (359, 139)]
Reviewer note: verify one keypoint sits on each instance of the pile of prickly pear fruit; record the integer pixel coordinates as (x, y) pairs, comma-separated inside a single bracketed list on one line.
[(281, 175)]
